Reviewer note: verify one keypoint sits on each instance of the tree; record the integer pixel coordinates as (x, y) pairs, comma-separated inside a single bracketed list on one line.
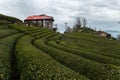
[(78, 24), (84, 22)]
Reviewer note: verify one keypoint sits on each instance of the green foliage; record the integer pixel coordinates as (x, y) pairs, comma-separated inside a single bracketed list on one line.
[(56, 37), (91, 69), (4, 27), (8, 19), (43, 35), (3, 22), (34, 64), (56, 56), (7, 32), (22, 28), (88, 55), (93, 43), (6, 47), (86, 29), (39, 33), (73, 46)]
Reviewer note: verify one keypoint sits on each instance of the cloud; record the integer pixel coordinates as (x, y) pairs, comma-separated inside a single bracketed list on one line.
[(102, 14)]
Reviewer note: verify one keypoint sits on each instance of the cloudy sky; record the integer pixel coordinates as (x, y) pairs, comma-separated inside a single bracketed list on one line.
[(102, 14)]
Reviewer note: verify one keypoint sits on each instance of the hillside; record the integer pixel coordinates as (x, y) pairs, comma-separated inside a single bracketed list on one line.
[(8, 19), (31, 53)]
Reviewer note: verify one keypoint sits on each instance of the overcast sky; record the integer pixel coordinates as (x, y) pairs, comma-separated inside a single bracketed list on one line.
[(102, 14)]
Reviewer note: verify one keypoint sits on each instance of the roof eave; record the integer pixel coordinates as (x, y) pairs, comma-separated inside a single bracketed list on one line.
[(37, 19)]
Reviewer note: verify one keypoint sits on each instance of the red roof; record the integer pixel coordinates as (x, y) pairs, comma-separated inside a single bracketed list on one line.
[(39, 17)]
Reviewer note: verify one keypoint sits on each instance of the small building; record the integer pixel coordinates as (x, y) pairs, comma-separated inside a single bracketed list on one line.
[(103, 34), (68, 30), (39, 21), (18, 22)]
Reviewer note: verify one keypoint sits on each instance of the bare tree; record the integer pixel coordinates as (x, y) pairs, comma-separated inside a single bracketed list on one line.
[(84, 22), (78, 24)]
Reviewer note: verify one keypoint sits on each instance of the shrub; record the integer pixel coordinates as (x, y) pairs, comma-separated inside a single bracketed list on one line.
[(6, 48), (88, 55), (3, 22), (91, 69), (34, 64), (7, 32)]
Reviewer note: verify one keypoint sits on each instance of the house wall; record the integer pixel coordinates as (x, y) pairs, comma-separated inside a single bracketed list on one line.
[(40, 23), (103, 34)]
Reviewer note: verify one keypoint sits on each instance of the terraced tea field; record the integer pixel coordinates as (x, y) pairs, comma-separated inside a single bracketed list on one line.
[(31, 53)]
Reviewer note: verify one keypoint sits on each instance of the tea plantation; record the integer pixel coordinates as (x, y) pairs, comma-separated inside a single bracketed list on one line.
[(31, 53)]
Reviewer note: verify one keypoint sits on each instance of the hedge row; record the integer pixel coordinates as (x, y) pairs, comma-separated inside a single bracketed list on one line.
[(57, 37), (39, 33), (69, 45), (34, 64), (88, 55), (44, 34), (6, 47), (92, 39), (4, 27), (22, 28), (99, 48), (91, 69), (87, 36), (3, 22), (29, 30), (33, 31), (7, 32)]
